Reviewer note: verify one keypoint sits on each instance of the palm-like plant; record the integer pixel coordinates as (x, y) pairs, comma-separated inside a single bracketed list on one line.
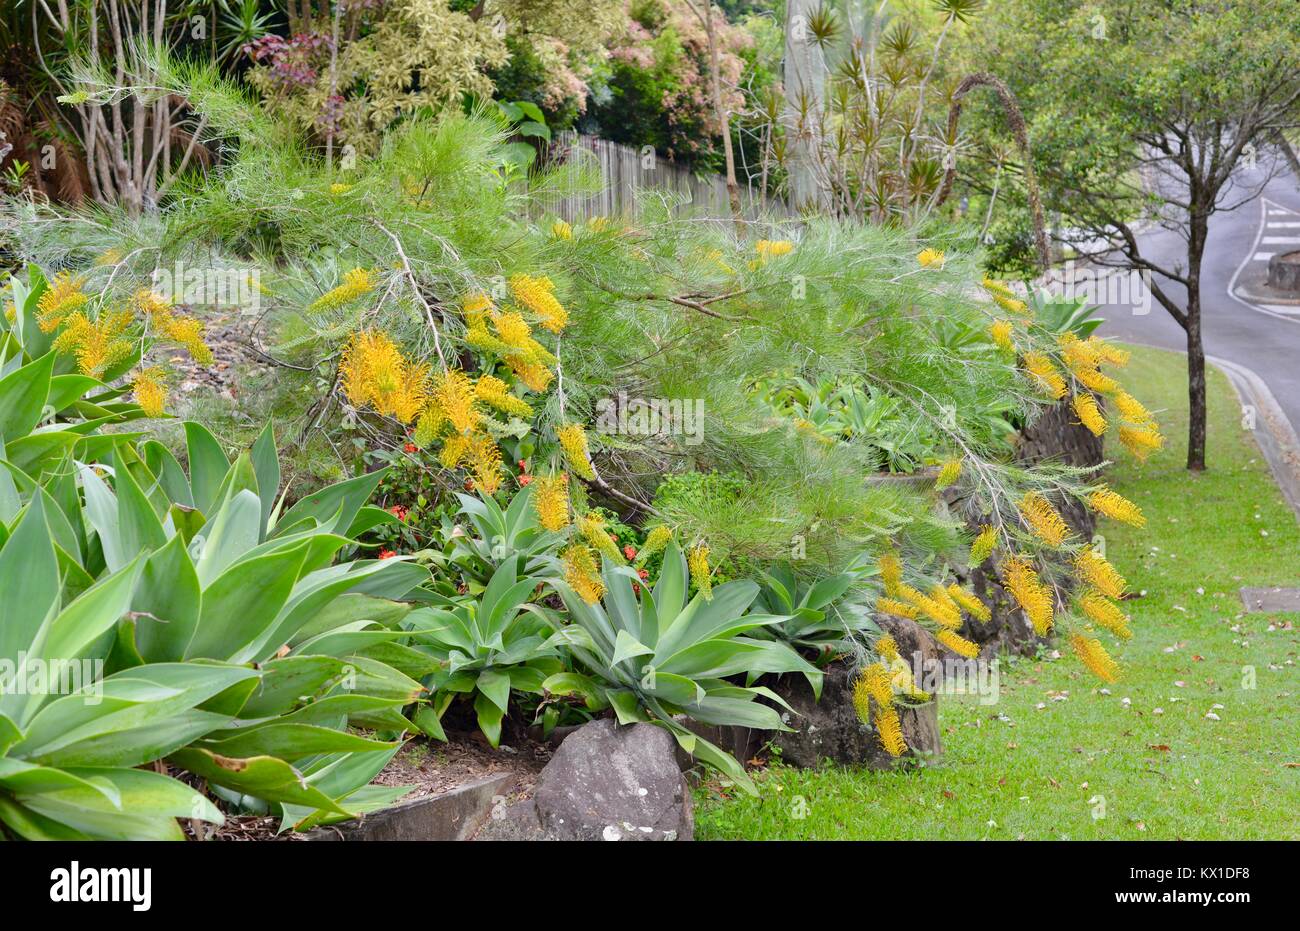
[(658, 657)]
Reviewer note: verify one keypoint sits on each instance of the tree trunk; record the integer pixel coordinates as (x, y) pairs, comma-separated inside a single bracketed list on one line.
[(1195, 347), (723, 117)]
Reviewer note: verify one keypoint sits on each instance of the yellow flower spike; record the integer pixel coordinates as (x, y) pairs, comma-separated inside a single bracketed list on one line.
[(338, 188), (1116, 506), (939, 608), (974, 607), (958, 644), (551, 501), (1091, 378), (773, 248), (1001, 332), (897, 608), (453, 390), (150, 391), (949, 472), (356, 284), (534, 377), (98, 345), (984, 545), (887, 647), (930, 258), (1099, 573), (455, 449), (592, 528), (426, 428), (995, 287), (1085, 406), (582, 573), (1043, 519), (485, 463), (1106, 613), (1132, 410), (701, 574), (1109, 352), (1094, 656), (155, 307), (188, 332), (61, 299), (561, 230), (891, 574), (1046, 374), (877, 684), (890, 731), (1034, 598), (573, 440), (536, 294), (476, 308), (655, 542), (373, 371), (1141, 441), (494, 392)]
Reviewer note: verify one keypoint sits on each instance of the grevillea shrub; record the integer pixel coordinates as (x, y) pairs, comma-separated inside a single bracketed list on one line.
[(445, 316)]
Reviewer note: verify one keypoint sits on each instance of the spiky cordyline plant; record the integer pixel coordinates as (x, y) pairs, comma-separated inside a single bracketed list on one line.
[(434, 247)]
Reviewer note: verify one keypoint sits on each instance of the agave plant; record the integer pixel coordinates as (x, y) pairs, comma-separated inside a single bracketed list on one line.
[(502, 536), (820, 617), (488, 647), (658, 657)]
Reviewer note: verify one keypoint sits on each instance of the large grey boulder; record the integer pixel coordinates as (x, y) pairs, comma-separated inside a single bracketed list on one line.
[(605, 782), (831, 730)]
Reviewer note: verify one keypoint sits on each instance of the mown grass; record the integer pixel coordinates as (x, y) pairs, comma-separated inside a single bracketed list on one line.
[(1043, 772)]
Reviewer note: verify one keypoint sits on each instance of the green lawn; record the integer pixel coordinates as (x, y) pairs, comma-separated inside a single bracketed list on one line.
[(1040, 773)]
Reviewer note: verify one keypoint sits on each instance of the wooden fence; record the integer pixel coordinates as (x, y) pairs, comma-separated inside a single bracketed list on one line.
[(629, 173)]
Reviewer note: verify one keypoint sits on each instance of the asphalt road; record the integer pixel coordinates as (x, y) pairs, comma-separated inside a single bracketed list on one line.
[(1262, 337)]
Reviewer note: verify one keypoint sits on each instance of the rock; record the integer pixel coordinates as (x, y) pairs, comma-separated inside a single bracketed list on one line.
[(453, 815), (605, 782), (830, 729)]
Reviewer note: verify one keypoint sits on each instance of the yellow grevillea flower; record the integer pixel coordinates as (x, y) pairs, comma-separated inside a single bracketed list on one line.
[(976, 608), (887, 646), (937, 605), (426, 428), (109, 257), (551, 501), (455, 450), (582, 573), (1109, 352), (1001, 332), (150, 391), (98, 344), (958, 644), (338, 188), (598, 224), (891, 573), (574, 443), (930, 258), (515, 333), (356, 283), (534, 377), (1085, 406), (900, 674), (897, 608), (494, 392), (1043, 519), (1116, 506), (1099, 573), (1076, 352), (772, 248), (1132, 410), (188, 332), (949, 472), (1141, 441), (375, 372), (561, 230), (1004, 297), (592, 528), (1020, 579), (1095, 380), (476, 308), (715, 256), (1045, 373), (655, 541), (62, 298), (984, 544), (698, 562), (154, 306), (537, 294), (890, 731), (1106, 613), (1094, 656), (454, 393), (485, 463)]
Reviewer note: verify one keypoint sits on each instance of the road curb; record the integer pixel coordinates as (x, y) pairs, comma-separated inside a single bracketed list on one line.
[(1273, 432)]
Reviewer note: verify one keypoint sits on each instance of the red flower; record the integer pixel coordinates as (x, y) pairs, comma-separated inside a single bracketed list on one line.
[(398, 511), (629, 551), (469, 484), (636, 589), (524, 480), (411, 448), (644, 573), (523, 465), (386, 554)]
